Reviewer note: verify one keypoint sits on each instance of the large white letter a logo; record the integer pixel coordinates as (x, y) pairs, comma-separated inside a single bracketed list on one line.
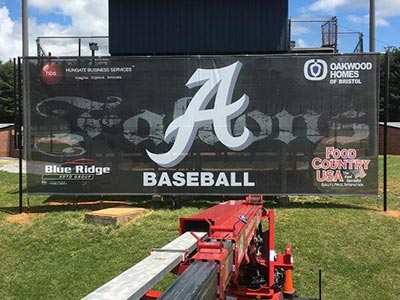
[(218, 82)]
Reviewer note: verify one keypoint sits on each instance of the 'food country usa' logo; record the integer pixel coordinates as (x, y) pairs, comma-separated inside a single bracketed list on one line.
[(51, 74)]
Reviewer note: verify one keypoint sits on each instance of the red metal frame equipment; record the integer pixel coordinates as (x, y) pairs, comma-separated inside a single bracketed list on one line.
[(248, 266), (222, 253)]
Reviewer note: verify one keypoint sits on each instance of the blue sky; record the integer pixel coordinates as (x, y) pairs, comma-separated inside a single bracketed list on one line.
[(352, 16), (89, 17)]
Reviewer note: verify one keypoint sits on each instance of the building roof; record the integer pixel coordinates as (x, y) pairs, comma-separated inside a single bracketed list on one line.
[(6, 125), (391, 124)]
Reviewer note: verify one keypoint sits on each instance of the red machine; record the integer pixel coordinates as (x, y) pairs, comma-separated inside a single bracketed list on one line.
[(243, 256), (221, 254)]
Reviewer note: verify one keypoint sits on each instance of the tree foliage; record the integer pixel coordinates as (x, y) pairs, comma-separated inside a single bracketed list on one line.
[(6, 92), (394, 85)]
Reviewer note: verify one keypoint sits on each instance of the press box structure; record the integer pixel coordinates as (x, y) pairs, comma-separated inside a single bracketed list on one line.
[(148, 27)]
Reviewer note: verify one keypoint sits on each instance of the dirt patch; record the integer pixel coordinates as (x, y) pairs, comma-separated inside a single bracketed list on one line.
[(91, 205), (23, 219), (392, 186), (393, 213)]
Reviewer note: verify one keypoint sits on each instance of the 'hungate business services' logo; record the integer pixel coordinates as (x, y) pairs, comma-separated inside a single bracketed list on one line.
[(51, 74), (315, 69)]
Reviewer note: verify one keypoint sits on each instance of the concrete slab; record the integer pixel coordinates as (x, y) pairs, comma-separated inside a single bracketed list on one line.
[(119, 215)]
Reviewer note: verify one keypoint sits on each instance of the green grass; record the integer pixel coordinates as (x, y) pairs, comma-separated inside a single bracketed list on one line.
[(54, 254)]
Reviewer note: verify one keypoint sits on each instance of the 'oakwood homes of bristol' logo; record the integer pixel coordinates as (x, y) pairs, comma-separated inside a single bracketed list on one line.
[(214, 82), (315, 69)]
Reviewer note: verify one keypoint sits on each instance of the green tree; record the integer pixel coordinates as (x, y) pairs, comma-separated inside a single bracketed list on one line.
[(394, 85), (6, 92)]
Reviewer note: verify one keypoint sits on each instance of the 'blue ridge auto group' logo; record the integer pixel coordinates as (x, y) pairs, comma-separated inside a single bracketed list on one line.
[(315, 69)]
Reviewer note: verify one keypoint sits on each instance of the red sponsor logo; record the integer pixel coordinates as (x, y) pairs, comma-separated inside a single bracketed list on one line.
[(51, 73)]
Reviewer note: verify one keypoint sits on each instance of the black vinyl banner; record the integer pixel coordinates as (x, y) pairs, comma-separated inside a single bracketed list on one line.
[(222, 125)]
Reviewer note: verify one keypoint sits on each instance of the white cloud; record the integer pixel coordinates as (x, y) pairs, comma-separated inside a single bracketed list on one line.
[(302, 43), (298, 29), (10, 36), (357, 19), (365, 20), (88, 17), (384, 9), (331, 6), (388, 8), (381, 22)]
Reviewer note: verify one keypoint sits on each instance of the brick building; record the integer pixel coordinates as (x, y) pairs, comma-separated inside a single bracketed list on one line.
[(7, 132), (393, 138)]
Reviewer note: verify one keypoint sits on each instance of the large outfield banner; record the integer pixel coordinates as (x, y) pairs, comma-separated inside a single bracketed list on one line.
[(268, 124)]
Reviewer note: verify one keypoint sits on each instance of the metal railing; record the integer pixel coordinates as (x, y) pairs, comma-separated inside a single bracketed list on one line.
[(329, 33), (75, 43)]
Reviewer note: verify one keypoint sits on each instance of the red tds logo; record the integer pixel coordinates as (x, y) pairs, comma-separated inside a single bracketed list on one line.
[(51, 73)]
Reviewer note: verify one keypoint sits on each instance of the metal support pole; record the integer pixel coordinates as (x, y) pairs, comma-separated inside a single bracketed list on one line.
[(25, 37), (15, 106), (385, 120), (320, 284), (19, 128), (79, 46), (25, 53), (336, 35), (38, 47), (20, 171), (371, 25)]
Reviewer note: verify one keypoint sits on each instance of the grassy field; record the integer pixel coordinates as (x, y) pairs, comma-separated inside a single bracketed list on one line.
[(53, 254)]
